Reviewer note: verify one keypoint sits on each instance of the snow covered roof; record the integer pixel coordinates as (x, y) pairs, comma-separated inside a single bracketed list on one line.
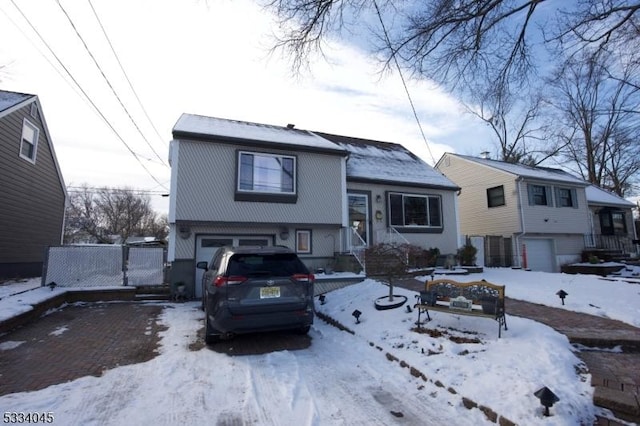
[(198, 126), (387, 162), (599, 196), (11, 99), (543, 173)]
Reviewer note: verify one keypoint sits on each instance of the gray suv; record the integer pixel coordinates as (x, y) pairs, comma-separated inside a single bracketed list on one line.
[(249, 289)]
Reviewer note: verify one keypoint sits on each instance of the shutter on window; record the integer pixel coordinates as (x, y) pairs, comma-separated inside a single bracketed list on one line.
[(574, 198)]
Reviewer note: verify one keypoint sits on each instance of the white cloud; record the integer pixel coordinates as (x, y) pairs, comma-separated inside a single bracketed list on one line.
[(209, 59)]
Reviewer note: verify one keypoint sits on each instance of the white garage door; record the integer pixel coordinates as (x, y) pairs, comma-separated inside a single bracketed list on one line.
[(540, 256), (206, 246)]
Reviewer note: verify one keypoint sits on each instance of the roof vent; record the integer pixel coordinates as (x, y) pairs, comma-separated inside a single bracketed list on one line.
[(485, 155), (290, 126)]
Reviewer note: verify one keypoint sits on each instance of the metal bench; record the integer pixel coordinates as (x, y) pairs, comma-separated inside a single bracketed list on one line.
[(477, 298)]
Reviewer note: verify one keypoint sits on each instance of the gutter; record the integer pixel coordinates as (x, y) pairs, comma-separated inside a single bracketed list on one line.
[(523, 230)]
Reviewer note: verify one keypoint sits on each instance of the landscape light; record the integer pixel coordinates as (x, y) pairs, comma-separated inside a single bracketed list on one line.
[(562, 294), (52, 285), (321, 298), (547, 399), (357, 314)]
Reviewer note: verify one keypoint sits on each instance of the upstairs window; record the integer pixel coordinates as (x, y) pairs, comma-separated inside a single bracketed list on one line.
[(539, 195), (266, 177), (495, 196), (415, 211), (566, 197), (29, 142)]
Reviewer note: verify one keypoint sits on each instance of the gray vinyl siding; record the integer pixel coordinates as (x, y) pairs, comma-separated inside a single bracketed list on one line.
[(446, 241), (476, 217), (205, 185), (551, 219), (32, 199), (322, 245)]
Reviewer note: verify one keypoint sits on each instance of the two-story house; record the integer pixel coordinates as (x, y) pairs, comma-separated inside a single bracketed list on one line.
[(32, 190), (242, 183), (532, 217)]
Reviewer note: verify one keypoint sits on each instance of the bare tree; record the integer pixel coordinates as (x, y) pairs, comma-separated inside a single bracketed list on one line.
[(502, 42), (517, 123), (601, 120), (107, 212)]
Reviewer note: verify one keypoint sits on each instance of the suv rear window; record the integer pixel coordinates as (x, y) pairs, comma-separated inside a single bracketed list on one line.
[(275, 264)]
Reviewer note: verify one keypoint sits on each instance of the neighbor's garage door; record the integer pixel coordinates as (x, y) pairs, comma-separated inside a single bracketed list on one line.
[(540, 256), (206, 246)]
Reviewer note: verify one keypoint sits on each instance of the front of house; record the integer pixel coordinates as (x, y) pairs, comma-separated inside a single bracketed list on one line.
[(240, 183), (537, 218)]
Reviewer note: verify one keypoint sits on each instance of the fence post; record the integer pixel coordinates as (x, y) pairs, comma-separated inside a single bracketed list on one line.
[(45, 264), (125, 260)]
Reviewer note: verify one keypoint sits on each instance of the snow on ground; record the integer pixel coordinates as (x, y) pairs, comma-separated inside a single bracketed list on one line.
[(343, 379)]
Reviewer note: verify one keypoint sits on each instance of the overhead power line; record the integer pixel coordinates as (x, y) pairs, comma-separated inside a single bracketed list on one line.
[(126, 76), (85, 94), (404, 83), (106, 79)]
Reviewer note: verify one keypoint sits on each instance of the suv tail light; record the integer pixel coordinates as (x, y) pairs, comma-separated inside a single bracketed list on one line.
[(303, 278), (221, 281)]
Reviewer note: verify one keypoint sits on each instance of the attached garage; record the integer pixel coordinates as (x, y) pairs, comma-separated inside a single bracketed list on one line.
[(206, 246), (540, 254)]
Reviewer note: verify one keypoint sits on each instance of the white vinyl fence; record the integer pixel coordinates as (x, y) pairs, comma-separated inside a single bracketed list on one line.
[(103, 266)]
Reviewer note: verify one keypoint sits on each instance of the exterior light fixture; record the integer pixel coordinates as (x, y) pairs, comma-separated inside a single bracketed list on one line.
[(322, 299), (378, 198), (52, 285), (284, 233), (562, 294), (356, 314), (547, 399)]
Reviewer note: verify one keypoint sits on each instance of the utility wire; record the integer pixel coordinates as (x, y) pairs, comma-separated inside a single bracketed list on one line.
[(406, 89), (125, 74), (108, 82), (95, 107)]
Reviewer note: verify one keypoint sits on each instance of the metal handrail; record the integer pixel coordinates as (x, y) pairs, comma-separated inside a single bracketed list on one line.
[(391, 236)]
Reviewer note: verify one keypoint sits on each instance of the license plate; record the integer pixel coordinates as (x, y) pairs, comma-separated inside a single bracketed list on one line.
[(269, 292)]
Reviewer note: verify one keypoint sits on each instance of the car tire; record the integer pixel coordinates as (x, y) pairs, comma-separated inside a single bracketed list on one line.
[(210, 336)]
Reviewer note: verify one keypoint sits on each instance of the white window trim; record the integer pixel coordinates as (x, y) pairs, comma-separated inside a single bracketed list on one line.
[(36, 132), (262, 154), (310, 247)]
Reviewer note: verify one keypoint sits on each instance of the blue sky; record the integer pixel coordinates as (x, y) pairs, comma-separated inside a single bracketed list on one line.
[(209, 58)]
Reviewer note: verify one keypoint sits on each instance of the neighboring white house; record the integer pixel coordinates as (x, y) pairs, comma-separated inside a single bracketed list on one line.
[(243, 183), (533, 217)]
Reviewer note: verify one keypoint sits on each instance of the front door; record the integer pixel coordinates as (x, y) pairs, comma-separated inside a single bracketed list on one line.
[(359, 218)]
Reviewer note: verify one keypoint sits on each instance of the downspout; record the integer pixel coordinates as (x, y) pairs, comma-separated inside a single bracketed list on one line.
[(523, 230)]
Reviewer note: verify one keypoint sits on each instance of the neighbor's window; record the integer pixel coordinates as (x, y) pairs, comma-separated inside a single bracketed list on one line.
[(538, 195), (612, 222), (495, 196), (266, 177), (303, 241), (409, 210), (29, 143), (566, 197)]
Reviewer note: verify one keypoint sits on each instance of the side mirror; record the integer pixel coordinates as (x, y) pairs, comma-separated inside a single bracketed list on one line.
[(202, 265)]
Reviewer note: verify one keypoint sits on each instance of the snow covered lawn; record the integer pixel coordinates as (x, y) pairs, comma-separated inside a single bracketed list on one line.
[(361, 379)]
